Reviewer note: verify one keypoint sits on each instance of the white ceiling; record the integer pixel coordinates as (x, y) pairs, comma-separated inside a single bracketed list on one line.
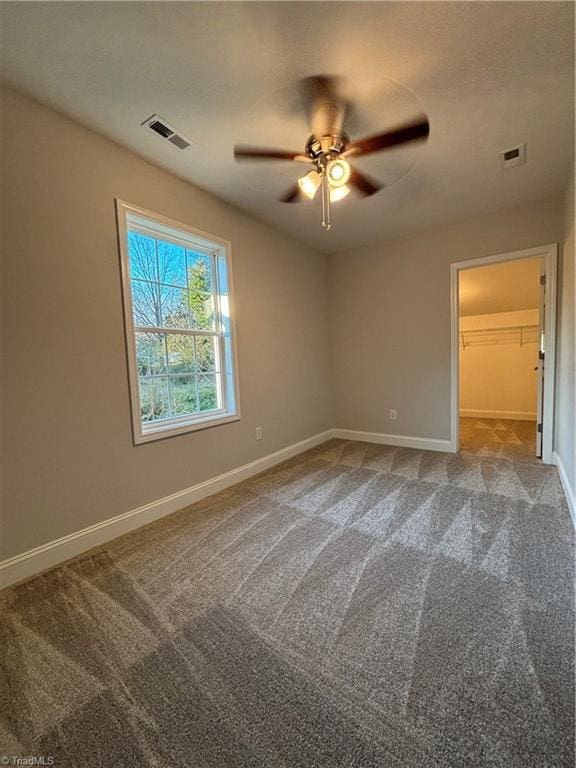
[(504, 287), (489, 75)]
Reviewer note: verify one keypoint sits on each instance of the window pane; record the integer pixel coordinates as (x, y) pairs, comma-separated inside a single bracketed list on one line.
[(150, 354), (200, 287), (154, 402), (145, 303), (171, 264), (207, 393), (199, 271), (183, 395), (205, 353), (174, 307), (142, 253), (201, 310), (180, 353)]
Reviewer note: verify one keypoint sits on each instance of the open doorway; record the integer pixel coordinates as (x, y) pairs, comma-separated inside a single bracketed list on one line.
[(503, 335), (499, 368)]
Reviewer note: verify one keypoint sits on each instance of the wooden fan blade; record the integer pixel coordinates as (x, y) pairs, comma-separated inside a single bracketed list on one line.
[(364, 184), (292, 196), (264, 153), (414, 131)]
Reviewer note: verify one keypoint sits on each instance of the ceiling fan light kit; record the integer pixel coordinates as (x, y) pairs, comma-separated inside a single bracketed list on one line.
[(338, 172), (338, 193), (329, 148), (332, 176), (309, 184)]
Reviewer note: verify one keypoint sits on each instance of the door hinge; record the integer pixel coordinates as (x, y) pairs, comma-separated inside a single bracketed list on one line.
[(540, 428), (542, 279), (540, 355)]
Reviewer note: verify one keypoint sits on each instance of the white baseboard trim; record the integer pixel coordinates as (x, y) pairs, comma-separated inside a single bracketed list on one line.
[(55, 552), (568, 490), (401, 441), (519, 415)]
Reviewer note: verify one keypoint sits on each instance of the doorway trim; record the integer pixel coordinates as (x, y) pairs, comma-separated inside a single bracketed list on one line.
[(549, 254)]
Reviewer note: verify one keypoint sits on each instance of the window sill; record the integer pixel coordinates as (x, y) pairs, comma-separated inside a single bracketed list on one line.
[(181, 428)]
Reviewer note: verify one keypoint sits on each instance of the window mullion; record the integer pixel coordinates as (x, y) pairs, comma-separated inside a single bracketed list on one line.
[(187, 286), (195, 374), (170, 410), (180, 331), (159, 317), (218, 379), (197, 390)]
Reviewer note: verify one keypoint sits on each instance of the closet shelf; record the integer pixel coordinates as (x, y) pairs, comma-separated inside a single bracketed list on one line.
[(512, 334)]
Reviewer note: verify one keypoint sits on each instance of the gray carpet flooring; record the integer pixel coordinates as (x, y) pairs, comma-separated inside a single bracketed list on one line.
[(354, 607)]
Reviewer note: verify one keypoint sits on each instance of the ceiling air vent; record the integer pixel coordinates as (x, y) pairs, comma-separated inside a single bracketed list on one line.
[(166, 131), (514, 156)]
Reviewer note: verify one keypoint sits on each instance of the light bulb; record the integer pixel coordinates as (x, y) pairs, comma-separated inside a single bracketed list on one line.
[(309, 184), (338, 172), (337, 193)]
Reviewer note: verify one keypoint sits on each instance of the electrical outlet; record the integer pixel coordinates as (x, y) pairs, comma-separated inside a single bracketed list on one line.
[(258, 433), (393, 414)]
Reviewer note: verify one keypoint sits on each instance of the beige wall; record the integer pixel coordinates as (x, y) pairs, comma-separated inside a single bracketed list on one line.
[(498, 380), (565, 417), (390, 317), (69, 460)]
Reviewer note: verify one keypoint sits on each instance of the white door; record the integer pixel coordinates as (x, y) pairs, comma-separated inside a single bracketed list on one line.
[(541, 362)]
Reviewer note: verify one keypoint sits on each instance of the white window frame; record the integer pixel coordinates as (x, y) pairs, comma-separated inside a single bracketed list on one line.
[(156, 225)]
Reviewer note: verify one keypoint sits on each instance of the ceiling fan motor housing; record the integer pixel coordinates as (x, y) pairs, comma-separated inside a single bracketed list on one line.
[(325, 148)]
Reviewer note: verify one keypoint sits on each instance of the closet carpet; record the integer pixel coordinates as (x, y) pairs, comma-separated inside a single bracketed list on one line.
[(358, 606)]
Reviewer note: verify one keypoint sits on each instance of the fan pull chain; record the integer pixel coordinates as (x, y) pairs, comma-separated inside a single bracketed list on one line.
[(325, 203)]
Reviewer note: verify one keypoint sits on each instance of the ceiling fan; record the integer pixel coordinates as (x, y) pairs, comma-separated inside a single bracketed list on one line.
[(329, 148)]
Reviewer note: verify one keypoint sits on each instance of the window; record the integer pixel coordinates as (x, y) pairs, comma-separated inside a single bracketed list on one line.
[(179, 334)]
